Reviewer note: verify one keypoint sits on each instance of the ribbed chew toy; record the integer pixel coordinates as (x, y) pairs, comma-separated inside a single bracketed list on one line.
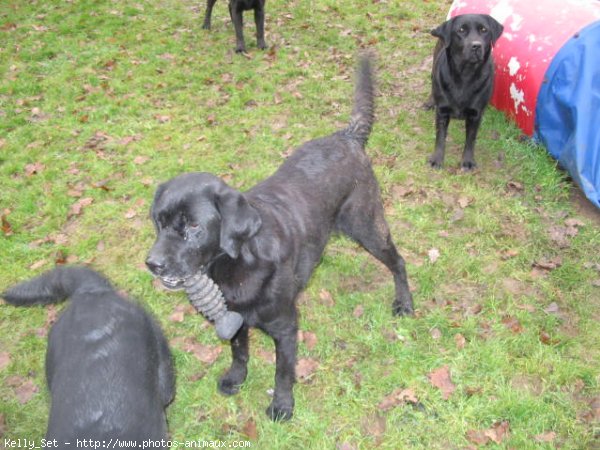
[(207, 298)]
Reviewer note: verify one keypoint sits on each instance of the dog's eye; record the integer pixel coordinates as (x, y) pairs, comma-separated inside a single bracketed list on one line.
[(483, 30)]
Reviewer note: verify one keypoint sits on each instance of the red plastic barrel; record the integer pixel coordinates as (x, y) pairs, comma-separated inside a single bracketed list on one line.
[(534, 31)]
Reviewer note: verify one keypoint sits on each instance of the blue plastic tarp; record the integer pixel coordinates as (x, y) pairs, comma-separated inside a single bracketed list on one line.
[(568, 110)]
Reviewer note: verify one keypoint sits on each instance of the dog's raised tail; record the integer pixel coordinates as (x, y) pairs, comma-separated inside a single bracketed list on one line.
[(363, 111), (55, 285)]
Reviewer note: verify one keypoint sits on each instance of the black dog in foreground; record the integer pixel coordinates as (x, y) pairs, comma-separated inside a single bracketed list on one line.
[(236, 10), (261, 246), (462, 79), (108, 366)]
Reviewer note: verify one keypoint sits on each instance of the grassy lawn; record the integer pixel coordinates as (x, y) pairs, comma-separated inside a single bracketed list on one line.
[(102, 100)]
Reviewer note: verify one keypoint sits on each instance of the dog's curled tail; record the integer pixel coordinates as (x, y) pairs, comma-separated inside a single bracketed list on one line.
[(363, 111), (56, 285)]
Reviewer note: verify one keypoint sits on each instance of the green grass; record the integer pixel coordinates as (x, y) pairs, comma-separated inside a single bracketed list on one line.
[(115, 97)]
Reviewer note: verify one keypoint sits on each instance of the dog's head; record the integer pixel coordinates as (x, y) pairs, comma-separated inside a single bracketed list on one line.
[(469, 36), (197, 218)]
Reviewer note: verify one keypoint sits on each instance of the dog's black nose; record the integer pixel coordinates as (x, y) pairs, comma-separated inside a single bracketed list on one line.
[(476, 46), (155, 265)]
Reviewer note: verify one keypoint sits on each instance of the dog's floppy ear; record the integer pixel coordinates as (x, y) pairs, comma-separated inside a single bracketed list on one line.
[(444, 32), (239, 220), (495, 28)]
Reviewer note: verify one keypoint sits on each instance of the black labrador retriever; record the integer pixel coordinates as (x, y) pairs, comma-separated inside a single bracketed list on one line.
[(261, 246), (236, 10), (108, 366), (462, 79)]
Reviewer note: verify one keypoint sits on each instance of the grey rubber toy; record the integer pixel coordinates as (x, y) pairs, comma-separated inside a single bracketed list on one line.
[(206, 297)]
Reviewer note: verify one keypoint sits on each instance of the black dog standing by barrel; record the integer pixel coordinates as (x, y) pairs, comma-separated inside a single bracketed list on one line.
[(462, 79)]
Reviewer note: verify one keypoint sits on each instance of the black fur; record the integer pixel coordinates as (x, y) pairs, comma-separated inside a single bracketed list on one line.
[(261, 246), (108, 365), (462, 79), (236, 10)]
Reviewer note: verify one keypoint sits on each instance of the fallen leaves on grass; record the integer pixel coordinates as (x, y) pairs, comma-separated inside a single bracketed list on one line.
[(207, 354), (250, 430), (398, 397), (309, 338), (497, 433), (77, 207), (512, 323), (34, 168), (548, 436), (4, 360), (374, 425), (358, 311), (23, 388), (440, 378), (460, 341), (305, 368), (326, 298), (6, 226)]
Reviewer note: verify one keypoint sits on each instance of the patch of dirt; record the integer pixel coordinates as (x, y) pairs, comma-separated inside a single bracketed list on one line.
[(584, 207)]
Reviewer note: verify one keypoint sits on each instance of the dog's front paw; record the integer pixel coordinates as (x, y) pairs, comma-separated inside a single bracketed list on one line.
[(262, 45), (468, 165), (403, 309), (229, 383), (435, 162), (206, 26), (240, 49), (280, 413)]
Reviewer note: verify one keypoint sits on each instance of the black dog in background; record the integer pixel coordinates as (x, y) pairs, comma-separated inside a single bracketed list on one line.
[(261, 246), (236, 10), (462, 79), (108, 366)]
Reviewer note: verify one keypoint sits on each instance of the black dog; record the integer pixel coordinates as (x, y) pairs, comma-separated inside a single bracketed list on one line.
[(236, 10), (462, 79), (108, 366), (261, 246)]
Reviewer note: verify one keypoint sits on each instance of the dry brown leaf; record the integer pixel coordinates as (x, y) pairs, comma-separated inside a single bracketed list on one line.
[(266, 355), (512, 323), (440, 378), (6, 226), (326, 298), (398, 397), (548, 436), (435, 333), (207, 354), (374, 426), (78, 206), (305, 367), (4, 360), (460, 341), (498, 432), (477, 437), (34, 168), (250, 430), (358, 311), (309, 338)]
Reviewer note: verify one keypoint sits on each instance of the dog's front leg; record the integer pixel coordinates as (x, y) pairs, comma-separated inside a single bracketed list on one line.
[(282, 406), (208, 14), (436, 160), (238, 24), (471, 126), (231, 380), (259, 19)]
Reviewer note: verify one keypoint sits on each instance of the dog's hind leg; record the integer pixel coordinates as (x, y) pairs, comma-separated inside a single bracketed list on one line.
[(237, 18), (231, 380), (208, 14), (362, 219)]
